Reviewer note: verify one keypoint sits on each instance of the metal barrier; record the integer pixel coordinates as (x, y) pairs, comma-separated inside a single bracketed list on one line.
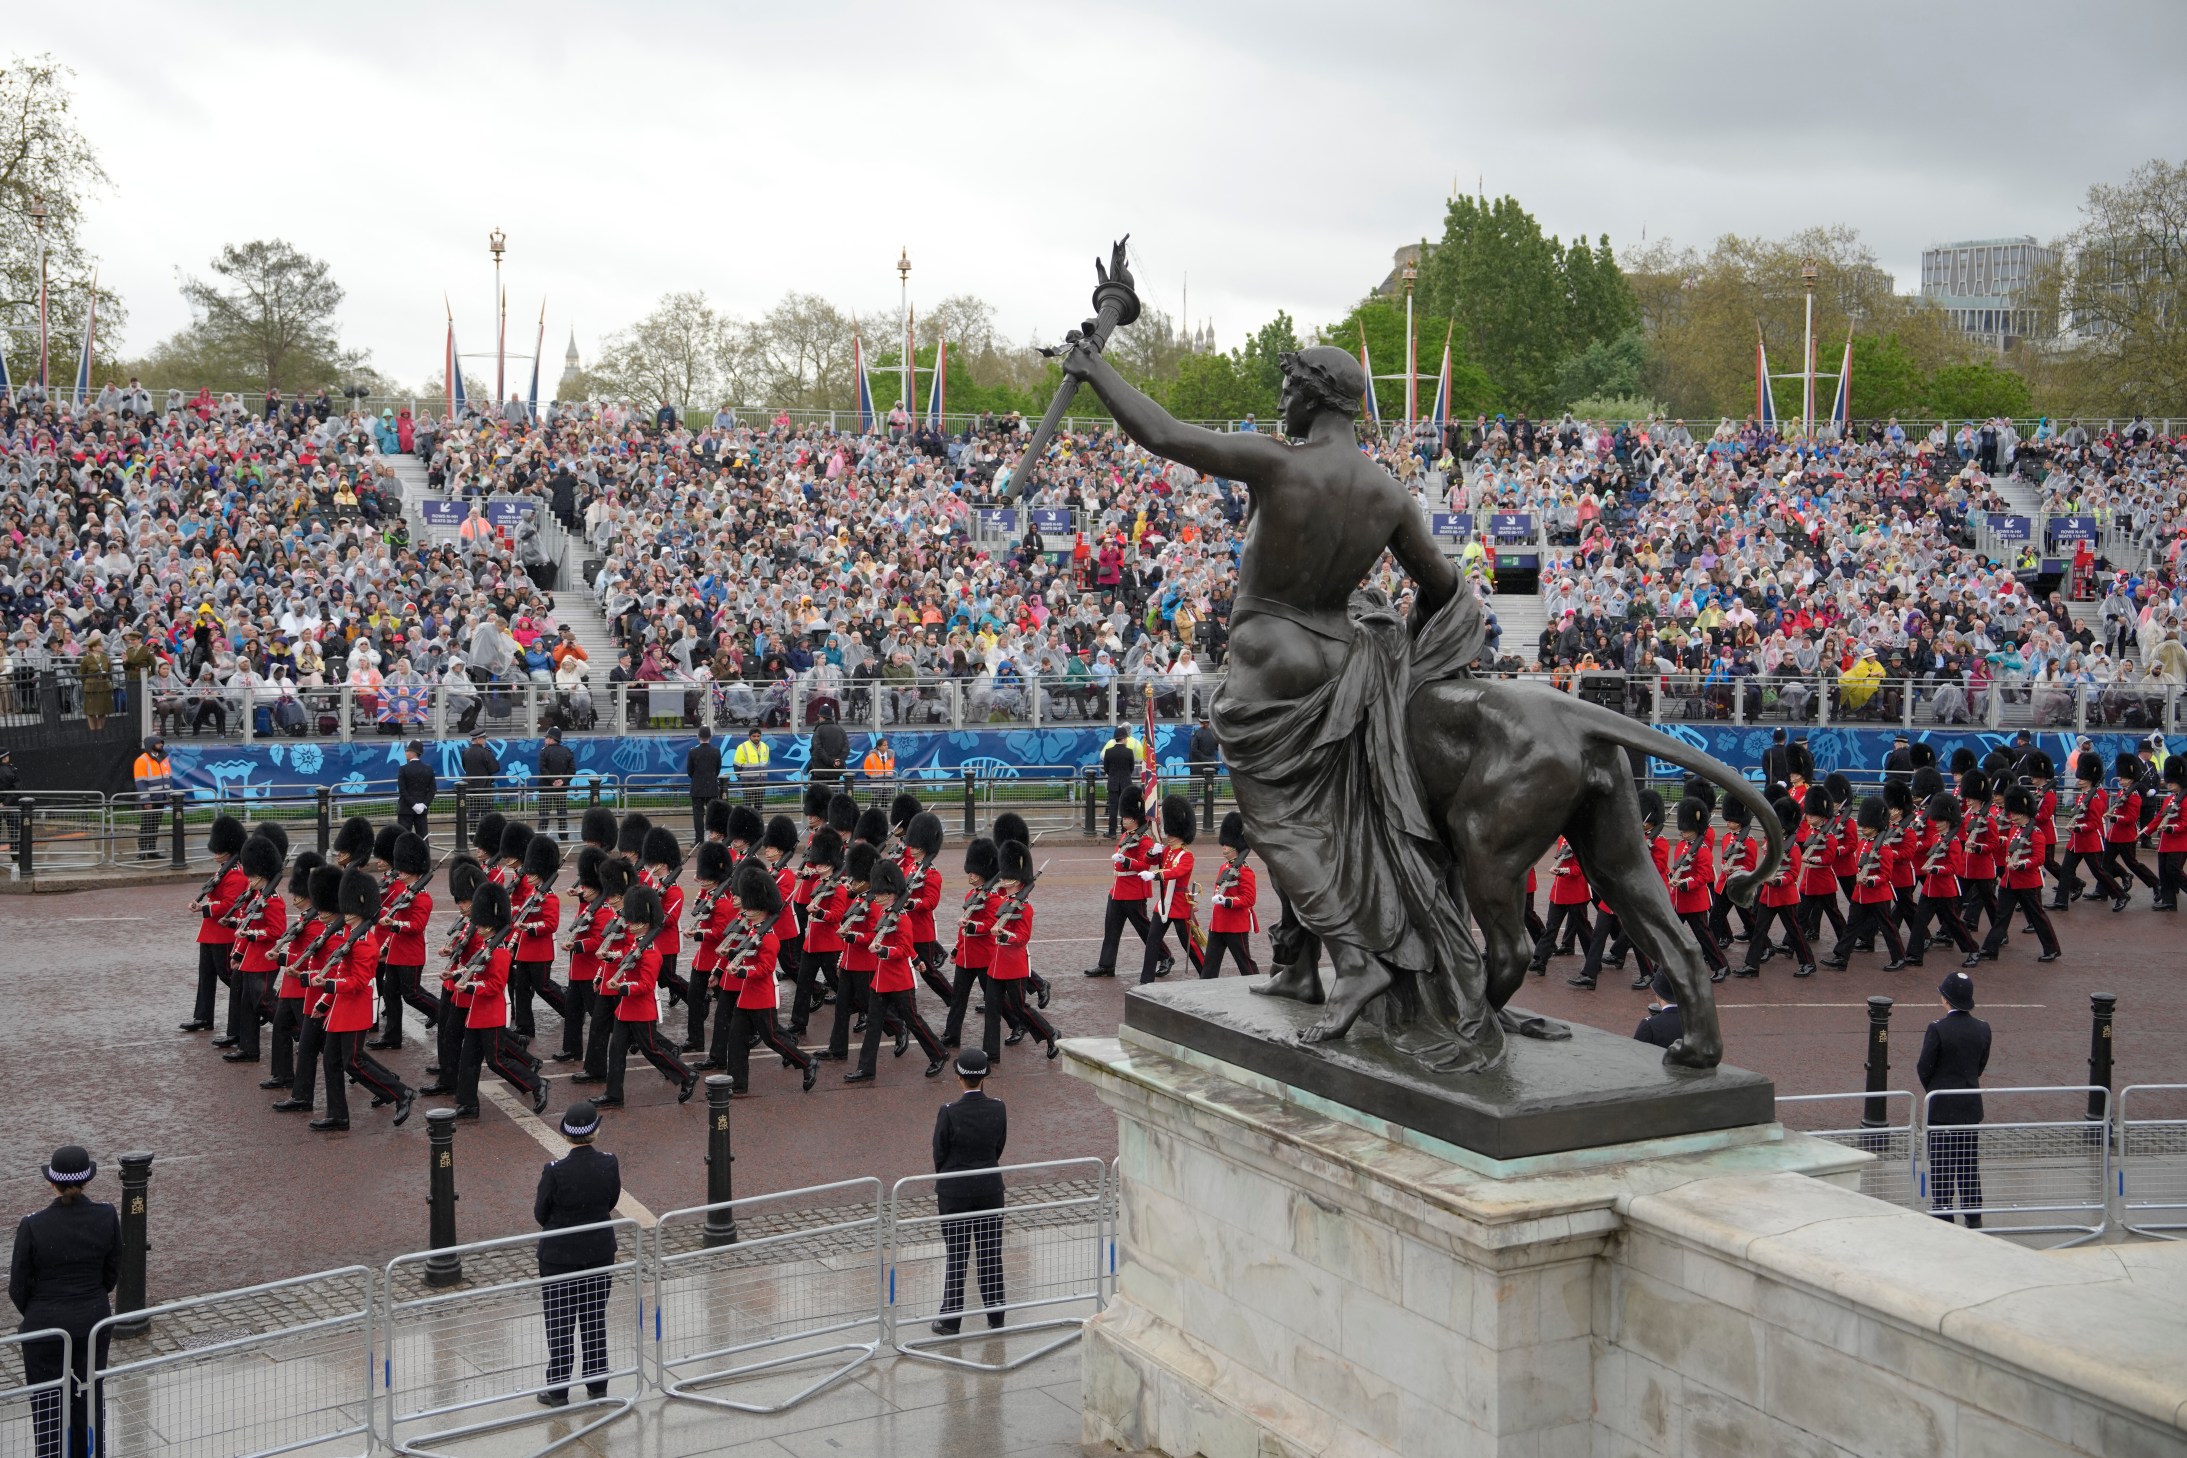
[(39, 1408), (482, 1346), (2023, 1175), (249, 1378), (1042, 1256), (67, 829), (1891, 1175), (801, 1284), (2153, 1159)]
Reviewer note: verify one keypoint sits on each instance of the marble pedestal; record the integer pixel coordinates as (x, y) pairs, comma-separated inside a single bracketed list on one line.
[(1296, 1279)]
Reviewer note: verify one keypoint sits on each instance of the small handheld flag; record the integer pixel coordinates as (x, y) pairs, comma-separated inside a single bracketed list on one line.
[(538, 350), (1841, 408), (1765, 404)]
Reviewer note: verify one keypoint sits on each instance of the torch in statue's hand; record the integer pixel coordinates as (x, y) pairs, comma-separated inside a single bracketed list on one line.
[(1116, 303)]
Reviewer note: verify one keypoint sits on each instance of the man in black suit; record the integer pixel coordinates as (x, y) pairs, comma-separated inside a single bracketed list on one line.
[(969, 1135), (703, 765), (580, 1188), (1954, 1053), (1664, 1024), (1120, 766), (67, 1258), (1899, 763), (1776, 763), (557, 767), (415, 787)]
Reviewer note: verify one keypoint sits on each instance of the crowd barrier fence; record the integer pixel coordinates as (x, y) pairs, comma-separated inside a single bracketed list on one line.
[(2019, 1172), (37, 1409), (2152, 1181), (1838, 1118)]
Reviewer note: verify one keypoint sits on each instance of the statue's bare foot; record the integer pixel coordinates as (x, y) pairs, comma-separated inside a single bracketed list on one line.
[(1353, 992), (1299, 980), (1693, 1051)]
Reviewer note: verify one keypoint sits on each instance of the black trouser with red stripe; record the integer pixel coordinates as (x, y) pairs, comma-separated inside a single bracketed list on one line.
[(1567, 920), (310, 1051), (697, 1006), (491, 1047), (1697, 922), (815, 973), (1782, 916), (578, 1003), (903, 1010), (646, 1038), (2118, 854), (1154, 957), (248, 991), (2028, 900), (2169, 867), (2069, 879), (1119, 915), (1006, 999), (1814, 906), (1945, 910), (212, 971), (288, 1012), (1237, 945), (448, 1038), (398, 985), (733, 1030), (929, 957), (960, 998), (1870, 919), (677, 986), (526, 978), (1977, 899), (345, 1054)]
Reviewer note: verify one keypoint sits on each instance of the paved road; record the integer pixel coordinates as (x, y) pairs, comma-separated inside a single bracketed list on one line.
[(97, 981)]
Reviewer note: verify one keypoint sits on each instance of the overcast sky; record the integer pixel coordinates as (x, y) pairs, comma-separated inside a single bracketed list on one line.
[(1274, 152)]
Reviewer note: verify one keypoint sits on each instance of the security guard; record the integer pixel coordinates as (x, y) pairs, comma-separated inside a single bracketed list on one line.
[(969, 1135), (1954, 1053), (751, 765), (581, 1188), (67, 1258), (154, 776)]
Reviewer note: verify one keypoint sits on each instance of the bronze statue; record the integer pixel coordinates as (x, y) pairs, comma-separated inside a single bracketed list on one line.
[(1384, 785)]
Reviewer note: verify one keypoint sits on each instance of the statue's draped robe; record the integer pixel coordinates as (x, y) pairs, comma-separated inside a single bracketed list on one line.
[(1333, 807)]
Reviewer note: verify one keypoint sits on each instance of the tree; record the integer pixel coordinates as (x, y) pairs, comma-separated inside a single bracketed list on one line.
[(1886, 380), (1215, 386), (1607, 368), (1975, 391), (2121, 292), (44, 157), (680, 354), (1262, 361), (268, 317), (1381, 323), (801, 354)]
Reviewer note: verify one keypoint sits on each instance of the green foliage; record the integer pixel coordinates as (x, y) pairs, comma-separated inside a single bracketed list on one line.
[(1606, 368), (264, 320), (1216, 386), (1382, 322), (1262, 361), (1887, 380), (1976, 391), (1615, 408)]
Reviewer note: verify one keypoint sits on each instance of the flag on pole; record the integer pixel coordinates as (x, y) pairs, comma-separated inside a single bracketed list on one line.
[(1765, 404), (91, 333), (7, 387), (501, 354), (1440, 416), (1149, 779), (538, 350), (934, 390), (457, 405), (865, 386), (1841, 408), (1374, 407)]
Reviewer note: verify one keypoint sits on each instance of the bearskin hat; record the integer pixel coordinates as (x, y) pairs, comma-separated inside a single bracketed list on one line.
[(1873, 814), (1735, 811), (745, 824), (226, 837), (630, 835), (924, 834), (1927, 781), (490, 907), (1818, 804), (1009, 826), (1693, 817), (1800, 760), (542, 859), (1178, 821), (1964, 760), (300, 873), (276, 832), (1134, 806), (1651, 808), (1942, 806), (872, 827), (1787, 811), (713, 861), (780, 834), (717, 818), (1017, 862), (888, 880), (858, 861), (598, 828), (588, 866), (1231, 834), (411, 856), (360, 893), (2019, 801), (642, 907), (1923, 754), (842, 813), (326, 890), (616, 877), (1999, 765), (661, 848), (465, 875), (353, 842), (1697, 787), (1897, 796), (516, 840), (383, 844), (1975, 785), (826, 848), (2088, 768), (2038, 765), (2175, 770), (817, 798), (757, 890), (1839, 786), (261, 860), (486, 835), (2127, 766), (901, 808), (982, 860)]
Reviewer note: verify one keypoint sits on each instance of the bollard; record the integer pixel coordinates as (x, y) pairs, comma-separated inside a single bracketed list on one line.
[(443, 1267), (326, 818), (592, 793), (463, 817), (2101, 1005), (136, 1178), (1875, 1114), (971, 802), (26, 820), (1093, 781), (1207, 799), (721, 1225), (179, 852)]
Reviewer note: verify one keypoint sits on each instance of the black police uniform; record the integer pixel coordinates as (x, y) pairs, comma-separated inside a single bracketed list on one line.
[(415, 784), (580, 1188), (969, 1134), (1954, 1052), (1663, 1027), (67, 1258), (1119, 765)]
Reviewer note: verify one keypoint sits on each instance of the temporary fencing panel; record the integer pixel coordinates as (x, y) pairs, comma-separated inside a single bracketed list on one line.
[(1041, 1255), (34, 1416), (278, 1368), (800, 1287), (2036, 1164), (472, 1357), (2153, 1158), (1837, 1118), (68, 830)]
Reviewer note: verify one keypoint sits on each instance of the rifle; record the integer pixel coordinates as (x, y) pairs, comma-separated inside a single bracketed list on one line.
[(2016, 857), (613, 982), (412, 891), (532, 903), (325, 1003), (212, 882), (1682, 868), (1016, 900), (1866, 871), (1933, 863)]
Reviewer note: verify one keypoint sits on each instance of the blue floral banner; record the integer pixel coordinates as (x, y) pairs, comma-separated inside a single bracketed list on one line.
[(266, 767)]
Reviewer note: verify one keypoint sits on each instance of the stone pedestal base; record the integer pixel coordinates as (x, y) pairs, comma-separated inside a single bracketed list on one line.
[(1295, 1280)]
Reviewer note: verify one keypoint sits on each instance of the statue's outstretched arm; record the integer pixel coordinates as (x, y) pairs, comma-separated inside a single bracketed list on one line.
[(1416, 551), (1241, 456)]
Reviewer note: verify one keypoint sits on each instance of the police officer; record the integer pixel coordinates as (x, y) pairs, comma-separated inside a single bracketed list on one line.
[(1664, 1024), (703, 766), (969, 1134), (1118, 765), (1954, 1053), (67, 1258), (581, 1188), (415, 787), (153, 776), (557, 767)]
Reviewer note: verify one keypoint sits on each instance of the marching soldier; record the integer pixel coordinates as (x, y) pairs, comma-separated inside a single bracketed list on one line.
[(304, 927), (2020, 880), (452, 1016), (713, 909), (617, 876), (1845, 839), (1012, 929), (923, 837), (633, 969), (1818, 842), (2084, 839), (885, 930), (1010, 826), (1872, 893), (1693, 881), (854, 977), (777, 842), (1776, 904), (483, 976), (326, 903), (343, 984), (352, 847), (819, 809), (262, 920), (749, 995), (486, 840), (1174, 895), (2169, 830), (538, 913), (1942, 858), (1233, 910), (662, 863), (1738, 851), (1568, 897), (597, 829), (587, 927), (383, 850), (215, 900), (1134, 856), (975, 951), (820, 881), (2122, 832), (1900, 803), (1609, 940), (1980, 841), (404, 915)]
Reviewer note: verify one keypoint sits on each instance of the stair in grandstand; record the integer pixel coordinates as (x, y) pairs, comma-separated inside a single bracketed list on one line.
[(575, 605), (1522, 616), (2019, 494)]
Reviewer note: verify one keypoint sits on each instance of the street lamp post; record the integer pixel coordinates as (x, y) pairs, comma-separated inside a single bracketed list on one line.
[(496, 241), (1809, 272), (903, 317), (38, 215), (1412, 388)]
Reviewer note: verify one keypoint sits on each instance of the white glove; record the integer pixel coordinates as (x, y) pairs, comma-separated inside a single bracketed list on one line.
[(418, 809)]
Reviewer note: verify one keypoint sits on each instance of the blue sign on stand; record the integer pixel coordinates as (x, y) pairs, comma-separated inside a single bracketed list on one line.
[(1450, 523), (509, 513), (1054, 521), (443, 513), (2008, 528), (1000, 521), (2072, 529), (1511, 526)]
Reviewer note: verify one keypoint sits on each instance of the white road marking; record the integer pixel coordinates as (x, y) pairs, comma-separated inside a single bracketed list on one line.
[(106, 918), (1987, 1006), (548, 1139)]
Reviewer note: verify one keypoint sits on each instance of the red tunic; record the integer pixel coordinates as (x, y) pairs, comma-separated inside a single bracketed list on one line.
[(926, 894), (1908, 846), (637, 1004), (260, 931), (1173, 883), (1235, 907), (1567, 879), (2171, 823), (2087, 831), (756, 984), (294, 969), (893, 974), (854, 927), (670, 941), (1849, 844), (1692, 877), (405, 935), (1818, 876), (786, 924), (1943, 859), (227, 891), (489, 995), (712, 927), (824, 920), (975, 935), (2029, 876), (1012, 961), (2046, 821), (535, 938), (1134, 854), (1783, 888), (457, 992), (589, 927), (1872, 872), (2123, 825), (353, 980), (1978, 848)]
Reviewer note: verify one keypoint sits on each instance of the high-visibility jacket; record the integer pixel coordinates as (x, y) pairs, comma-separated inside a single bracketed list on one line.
[(752, 754), (155, 775)]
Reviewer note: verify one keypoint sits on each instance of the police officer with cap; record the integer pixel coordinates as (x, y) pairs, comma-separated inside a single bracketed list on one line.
[(67, 1258), (1954, 1053), (1664, 1024), (969, 1134), (579, 1189)]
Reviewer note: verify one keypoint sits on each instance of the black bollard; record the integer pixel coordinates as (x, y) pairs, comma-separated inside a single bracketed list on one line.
[(26, 821), (1207, 798), (179, 851), (136, 1179), (721, 1224), (971, 801), (443, 1267), (463, 817), (1093, 782), (2101, 1005), (326, 817), (1876, 1112), (592, 792)]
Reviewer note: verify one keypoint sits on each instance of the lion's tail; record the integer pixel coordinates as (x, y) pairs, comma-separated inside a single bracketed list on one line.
[(1739, 888)]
